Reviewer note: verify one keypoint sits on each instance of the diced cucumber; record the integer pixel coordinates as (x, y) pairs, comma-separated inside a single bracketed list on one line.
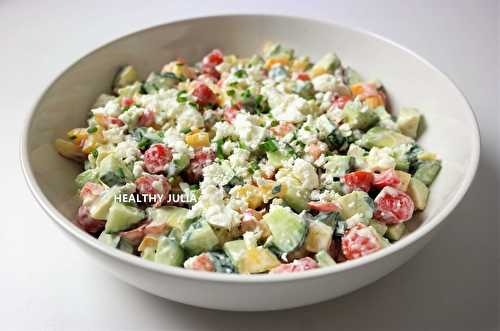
[(404, 180), (357, 117), (125, 76), (130, 91), (89, 175), (156, 82), (331, 219), (382, 137), (198, 238), (169, 252), (427, 171), (327, 64), (400, 154), (319, 237), (276, 158), (122, 217), (359, 155), (126, 246), (180, 164), (304, 89), (395, 231), (235, 250), (324, 259), (353, 77), (288, 229), (357, 202), (174, 217), (408, 122), (109, 239), (338, 165), (149, 253), (100, 207), (256, 260), (175, 234), (379, 226), (418, 192), (294, 195), (110, 163)]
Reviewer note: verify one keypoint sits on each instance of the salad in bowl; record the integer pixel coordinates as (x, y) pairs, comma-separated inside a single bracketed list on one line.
[(266, 164)]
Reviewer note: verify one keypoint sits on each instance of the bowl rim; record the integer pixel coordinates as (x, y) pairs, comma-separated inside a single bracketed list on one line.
[(410, 239)]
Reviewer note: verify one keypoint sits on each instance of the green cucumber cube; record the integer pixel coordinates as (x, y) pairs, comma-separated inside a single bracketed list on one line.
[(418, 192), (395, 231), (427, 171), (324, 259), (169, 252), (288, 229), (357, 202), (198, 238), (409, 121), (382, 137), (235, 250), (122, 217)]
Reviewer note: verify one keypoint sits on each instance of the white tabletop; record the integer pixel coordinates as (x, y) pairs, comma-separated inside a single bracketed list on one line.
[(46, 283)]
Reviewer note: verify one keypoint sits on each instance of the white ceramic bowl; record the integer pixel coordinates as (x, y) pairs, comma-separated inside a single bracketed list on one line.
[(452, 132)]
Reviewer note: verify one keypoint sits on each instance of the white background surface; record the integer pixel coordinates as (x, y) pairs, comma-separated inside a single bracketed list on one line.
[(46, 283)]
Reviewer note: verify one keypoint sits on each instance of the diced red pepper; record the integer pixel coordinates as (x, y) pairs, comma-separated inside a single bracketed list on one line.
[(358, 181), (326, 207)]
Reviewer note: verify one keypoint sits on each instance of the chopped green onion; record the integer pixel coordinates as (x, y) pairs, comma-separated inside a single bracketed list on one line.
[(218, 150), (240, 73), (181, 98), (95, 153), (186, 130), (92, 129), (231, 93), (269, 145)]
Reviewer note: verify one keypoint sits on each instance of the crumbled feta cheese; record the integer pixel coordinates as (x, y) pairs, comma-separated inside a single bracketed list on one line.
[(223, 130), (286, 107), (217, 174), (190, 118), (114, 135), (127, 151), (239, 161), (306, 174), (324, 126), (138, 169), (249, 133), (212, 207), (380, 159), (325, 83)]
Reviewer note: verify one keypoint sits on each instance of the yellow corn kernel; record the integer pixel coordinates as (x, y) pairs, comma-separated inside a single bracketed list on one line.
[(282, 59), (77, 135), (251, 194), (93, 141), (198, 139), (374, 101), (148, 241), (69, 150)]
